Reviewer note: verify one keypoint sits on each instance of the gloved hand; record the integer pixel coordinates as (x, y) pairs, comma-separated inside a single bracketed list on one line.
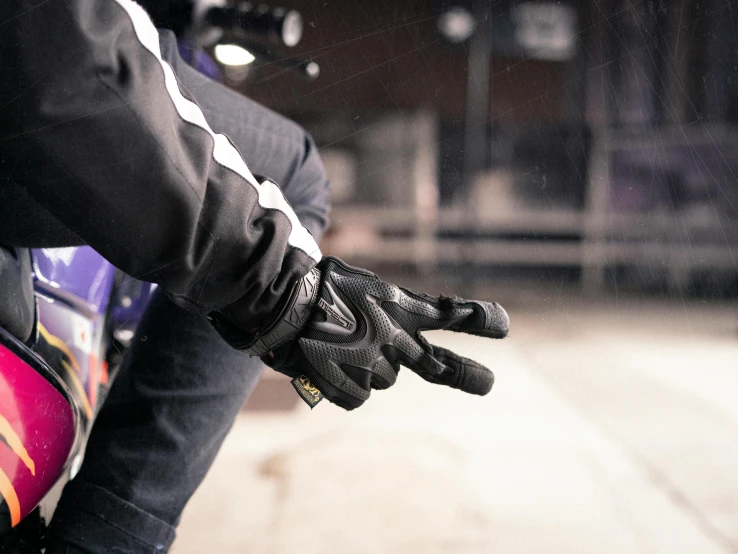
[(343, 332)]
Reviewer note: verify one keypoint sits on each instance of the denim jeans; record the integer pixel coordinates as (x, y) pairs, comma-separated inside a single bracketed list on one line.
[(159, 430), (180, 386)]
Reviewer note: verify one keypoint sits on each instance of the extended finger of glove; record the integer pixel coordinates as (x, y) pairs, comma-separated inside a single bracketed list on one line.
[(462, 373), (439, 365), (417, 312), (488, 319)]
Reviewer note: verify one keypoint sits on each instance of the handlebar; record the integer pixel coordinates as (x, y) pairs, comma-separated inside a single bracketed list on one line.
[(213, 22), (284, 26), (305, 67)]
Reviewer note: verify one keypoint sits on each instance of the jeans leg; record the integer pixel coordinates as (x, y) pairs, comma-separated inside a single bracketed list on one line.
[(166, 416)]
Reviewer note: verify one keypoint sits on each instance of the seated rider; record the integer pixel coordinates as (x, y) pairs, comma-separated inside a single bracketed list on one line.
[(109, 139)]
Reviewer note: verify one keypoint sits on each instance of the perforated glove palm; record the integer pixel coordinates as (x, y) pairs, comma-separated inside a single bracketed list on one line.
[(344, 332)]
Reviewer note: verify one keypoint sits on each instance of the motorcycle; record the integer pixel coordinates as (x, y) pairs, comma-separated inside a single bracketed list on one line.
[(67, 315)]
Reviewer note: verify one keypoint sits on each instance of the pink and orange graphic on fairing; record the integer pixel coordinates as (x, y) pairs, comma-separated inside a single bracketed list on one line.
[(71, 367), (12, 441), (37, 435)]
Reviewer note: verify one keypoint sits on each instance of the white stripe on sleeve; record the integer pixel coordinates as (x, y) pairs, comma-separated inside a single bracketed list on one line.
[(270, 197)]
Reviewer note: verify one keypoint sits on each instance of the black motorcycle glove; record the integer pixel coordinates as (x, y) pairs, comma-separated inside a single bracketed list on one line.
[(343, 332)]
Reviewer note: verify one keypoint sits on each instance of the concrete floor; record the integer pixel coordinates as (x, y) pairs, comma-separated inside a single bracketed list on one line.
[(612, 428)]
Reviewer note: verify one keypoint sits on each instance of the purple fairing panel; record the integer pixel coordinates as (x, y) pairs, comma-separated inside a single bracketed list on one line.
[(38, 433), (131, 300), (76, 274), (75, 287)]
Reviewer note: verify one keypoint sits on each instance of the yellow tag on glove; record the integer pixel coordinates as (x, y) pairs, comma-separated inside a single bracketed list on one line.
[(309, 392)]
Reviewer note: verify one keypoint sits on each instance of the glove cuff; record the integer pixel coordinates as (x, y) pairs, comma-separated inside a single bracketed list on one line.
[(291, 318)]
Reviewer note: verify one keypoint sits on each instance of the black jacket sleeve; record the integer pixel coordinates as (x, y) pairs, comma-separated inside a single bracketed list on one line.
[(94, 125), (276, 147)]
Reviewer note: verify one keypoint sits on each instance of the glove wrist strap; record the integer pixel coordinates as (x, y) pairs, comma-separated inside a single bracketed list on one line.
[(291, 318)]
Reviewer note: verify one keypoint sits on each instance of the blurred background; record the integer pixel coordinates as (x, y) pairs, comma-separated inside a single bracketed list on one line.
[(577, 162)]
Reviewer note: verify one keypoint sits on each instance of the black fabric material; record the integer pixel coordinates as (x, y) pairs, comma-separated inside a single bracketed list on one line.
[(345, 364), (340, 339), (65, 548), (273, 145), (164, 420), (363, 377), (28, 537), (5, 522), (181, 385), (91, 519), (26, 223), (16, 300), (89, 131)]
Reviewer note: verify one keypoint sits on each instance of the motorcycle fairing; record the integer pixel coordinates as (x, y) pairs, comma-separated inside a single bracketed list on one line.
[(39, 430)]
